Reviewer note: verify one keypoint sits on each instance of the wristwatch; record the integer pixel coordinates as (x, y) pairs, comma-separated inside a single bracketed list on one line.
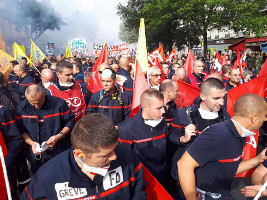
[(62, 135)]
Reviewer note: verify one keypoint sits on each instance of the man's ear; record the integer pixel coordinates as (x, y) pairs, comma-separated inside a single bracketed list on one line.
[(77, 153), (202, 96), (254, 118)]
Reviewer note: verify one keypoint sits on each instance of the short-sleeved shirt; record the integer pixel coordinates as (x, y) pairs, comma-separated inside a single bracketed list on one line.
[(218, 151)]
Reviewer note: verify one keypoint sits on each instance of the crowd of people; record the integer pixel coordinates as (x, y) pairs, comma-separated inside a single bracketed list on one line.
[(65, 142)]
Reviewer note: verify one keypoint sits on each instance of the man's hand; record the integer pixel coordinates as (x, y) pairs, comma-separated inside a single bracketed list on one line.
[(252, 191), (189, 131), (34, 144), (261, 157), (53, 140)]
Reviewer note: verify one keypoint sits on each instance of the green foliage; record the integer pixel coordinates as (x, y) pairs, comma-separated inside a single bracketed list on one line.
[(183, 21)]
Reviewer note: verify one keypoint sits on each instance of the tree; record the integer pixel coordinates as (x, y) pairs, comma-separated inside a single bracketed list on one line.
[(31, 17), (185, 21)]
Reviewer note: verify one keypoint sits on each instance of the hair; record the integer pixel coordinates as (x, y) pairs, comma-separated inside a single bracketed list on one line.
[(249, 104), (226, 68), (23, 58), (211, 83), (92, 132), (22, 67), (87, 74), (151, 69), (216, 75), (2, 78), (150, 93), (14, 62), (246, 72), (33, 91), (77, 65), (78, 60), (63, 65), (167, 84)]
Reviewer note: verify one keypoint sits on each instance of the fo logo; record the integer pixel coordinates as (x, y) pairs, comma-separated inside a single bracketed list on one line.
[(75, 101)]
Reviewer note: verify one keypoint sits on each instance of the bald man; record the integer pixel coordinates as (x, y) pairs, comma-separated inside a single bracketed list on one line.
[(47, 77), (234, 79), (198, 76), (44, 119), (124, 74), (22, 80), (146, 134), (101, 69), (216, 75), (179, 74), (207, 168)]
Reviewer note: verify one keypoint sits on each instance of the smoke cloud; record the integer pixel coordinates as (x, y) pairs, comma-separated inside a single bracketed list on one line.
[(95, 21)]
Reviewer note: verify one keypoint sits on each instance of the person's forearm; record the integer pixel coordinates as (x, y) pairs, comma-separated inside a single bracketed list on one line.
[(187, 181), (27, 139), (247, 164)]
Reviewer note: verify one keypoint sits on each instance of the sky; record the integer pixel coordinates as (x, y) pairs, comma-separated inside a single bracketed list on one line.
[(95, 21)]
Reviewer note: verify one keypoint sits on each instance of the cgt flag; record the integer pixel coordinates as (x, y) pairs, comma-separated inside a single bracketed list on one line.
[(140, 85), (255, 86), (156, 55), (94, 84), (36, 53), (171, 55), (187, 94)]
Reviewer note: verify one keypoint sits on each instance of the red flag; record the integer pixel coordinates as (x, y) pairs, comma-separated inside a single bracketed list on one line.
[(3, 192), (218, 56), (239, 63), (157, 54), (255, 86), (158, 65), (189, 63), (140, 85), (224, 60), (235, 65), (171, 55), (187, 94), (154, 189), (264, 68), (94, 84)]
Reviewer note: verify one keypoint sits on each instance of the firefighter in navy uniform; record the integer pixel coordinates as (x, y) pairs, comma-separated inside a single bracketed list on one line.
[(192, 120), (198, 76), (206, 171), (95, 168), (44, 119), (146, 134), (110, 101)]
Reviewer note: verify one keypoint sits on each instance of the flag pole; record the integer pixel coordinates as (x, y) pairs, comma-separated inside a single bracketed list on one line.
[(5, 174), (260, 191)]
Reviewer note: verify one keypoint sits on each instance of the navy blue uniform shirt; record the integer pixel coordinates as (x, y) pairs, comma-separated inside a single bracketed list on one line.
[(218, 151)]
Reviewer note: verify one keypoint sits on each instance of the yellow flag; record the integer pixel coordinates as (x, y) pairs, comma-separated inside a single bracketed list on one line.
[(36, 53), (19, 53), (141, 47), (69, 51), (4, 60)]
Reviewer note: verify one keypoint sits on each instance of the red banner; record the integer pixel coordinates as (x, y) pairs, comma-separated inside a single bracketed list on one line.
[(157, 54)]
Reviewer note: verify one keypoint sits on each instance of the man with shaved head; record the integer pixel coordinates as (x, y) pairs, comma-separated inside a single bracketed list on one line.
[(208, 166), (22, 80), (198, 76), (190, 121), (44, 120), (124, 74), (216, 75), (47, 77), (179, 74), (234, 79), (146, 134)]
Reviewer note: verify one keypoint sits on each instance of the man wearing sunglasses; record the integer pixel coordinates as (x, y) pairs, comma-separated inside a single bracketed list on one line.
[(154, 77)]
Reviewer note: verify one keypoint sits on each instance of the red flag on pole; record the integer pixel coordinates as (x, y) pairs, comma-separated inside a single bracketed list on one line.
[(158, 65), (157, 54), (171, 55), (94, 84), (140, 85), (239, 63), (263, 69), (224, 60), (189, 63), (154, 189), (187, 94), (3, 190), (255, 86)]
